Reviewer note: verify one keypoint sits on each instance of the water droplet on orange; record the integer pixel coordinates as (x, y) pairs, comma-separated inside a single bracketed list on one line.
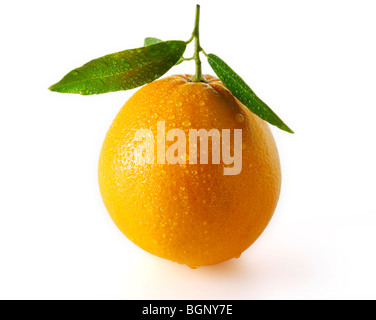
[(193, 267), (239, 118)]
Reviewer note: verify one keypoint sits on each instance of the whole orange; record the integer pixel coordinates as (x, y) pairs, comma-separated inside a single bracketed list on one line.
[(189, 213)]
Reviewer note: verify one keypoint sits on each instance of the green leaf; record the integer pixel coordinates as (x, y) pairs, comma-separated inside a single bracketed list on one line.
[(149, 41), (244, 93), (122, 70)]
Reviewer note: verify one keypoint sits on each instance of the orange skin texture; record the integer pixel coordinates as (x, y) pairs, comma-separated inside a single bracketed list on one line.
[(192, 214)]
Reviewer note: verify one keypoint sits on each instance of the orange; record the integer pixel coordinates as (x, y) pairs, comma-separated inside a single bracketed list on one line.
[(189, 213)]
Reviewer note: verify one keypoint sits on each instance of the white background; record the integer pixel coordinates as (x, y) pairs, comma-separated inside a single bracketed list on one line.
[(313, 62)]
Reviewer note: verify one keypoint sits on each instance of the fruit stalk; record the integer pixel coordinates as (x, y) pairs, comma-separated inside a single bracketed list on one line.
[(196, 35)]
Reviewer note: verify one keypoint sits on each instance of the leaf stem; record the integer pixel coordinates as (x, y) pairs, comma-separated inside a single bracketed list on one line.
[(190, 40), (203, 51), (196, 35)]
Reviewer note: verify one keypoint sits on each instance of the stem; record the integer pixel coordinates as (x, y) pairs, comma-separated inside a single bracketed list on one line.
[(196, 35)]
